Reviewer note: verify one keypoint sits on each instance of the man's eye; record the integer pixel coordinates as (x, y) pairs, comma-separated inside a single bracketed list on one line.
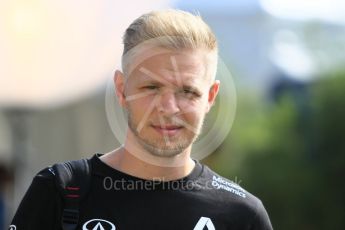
[(150, 87), (190, 93)]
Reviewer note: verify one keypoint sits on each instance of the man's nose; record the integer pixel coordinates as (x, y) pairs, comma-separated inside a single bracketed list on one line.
[(168, 103)]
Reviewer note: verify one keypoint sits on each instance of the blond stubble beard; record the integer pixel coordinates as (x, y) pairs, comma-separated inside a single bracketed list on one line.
[(159, 147)]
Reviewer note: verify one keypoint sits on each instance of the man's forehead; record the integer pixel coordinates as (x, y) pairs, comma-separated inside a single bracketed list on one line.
[(167, 74), (152, 54), (175, 61), (168, 77)]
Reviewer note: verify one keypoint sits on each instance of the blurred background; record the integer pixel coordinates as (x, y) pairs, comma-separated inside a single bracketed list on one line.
[(287, 58)]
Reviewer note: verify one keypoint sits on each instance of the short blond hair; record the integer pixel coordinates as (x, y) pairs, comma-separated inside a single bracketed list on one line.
[(171, 29)]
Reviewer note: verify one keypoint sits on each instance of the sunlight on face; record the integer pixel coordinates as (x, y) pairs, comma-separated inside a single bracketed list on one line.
[(167, 98)]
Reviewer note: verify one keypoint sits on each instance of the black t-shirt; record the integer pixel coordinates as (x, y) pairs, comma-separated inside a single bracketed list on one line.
[(202, 200)]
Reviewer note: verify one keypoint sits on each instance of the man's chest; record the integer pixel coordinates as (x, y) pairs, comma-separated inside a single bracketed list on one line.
[(153, 210)]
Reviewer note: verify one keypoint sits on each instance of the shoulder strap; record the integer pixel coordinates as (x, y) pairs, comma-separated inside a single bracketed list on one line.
[(73, 180)]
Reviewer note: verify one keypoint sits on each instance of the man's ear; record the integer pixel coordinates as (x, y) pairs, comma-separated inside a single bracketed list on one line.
[(212, 94), (119, 82)]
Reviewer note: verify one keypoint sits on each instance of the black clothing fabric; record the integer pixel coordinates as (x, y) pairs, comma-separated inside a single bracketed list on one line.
[(201, 200)]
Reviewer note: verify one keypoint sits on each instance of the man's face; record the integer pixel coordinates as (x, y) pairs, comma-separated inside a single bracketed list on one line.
[(166, 98)]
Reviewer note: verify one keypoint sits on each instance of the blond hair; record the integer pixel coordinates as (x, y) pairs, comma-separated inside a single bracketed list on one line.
[(171, 29)]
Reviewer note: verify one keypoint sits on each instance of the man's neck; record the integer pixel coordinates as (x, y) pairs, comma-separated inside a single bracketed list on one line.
[(160, 169)]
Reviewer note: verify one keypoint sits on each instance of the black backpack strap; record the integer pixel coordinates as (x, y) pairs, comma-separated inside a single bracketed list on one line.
[(73, 180)]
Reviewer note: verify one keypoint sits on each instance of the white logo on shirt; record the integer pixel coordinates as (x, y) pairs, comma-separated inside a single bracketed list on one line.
[(12, 227), (204, 221), (220, 183), (98, 224)]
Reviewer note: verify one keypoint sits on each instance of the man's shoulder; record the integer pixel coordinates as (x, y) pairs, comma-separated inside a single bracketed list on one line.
[(46, 174), (49, 174), (228, 191), (234, 199)]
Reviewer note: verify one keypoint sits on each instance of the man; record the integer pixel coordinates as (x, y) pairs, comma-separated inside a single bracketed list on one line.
[(166, 88)]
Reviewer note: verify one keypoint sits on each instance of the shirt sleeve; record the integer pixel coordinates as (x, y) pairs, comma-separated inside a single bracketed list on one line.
[(261, 219), (40, 207)]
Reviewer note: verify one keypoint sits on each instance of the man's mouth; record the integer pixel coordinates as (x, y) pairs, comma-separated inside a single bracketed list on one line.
[(167, 129)]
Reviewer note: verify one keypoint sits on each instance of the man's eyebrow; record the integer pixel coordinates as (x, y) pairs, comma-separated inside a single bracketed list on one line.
[(155, 76), (151, 82), (192, 88), (189, 87)]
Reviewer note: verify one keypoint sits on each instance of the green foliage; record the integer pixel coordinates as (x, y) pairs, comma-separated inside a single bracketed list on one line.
[(293, 158)]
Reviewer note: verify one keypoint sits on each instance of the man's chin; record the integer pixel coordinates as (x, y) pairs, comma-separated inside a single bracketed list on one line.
[(164, 150)]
